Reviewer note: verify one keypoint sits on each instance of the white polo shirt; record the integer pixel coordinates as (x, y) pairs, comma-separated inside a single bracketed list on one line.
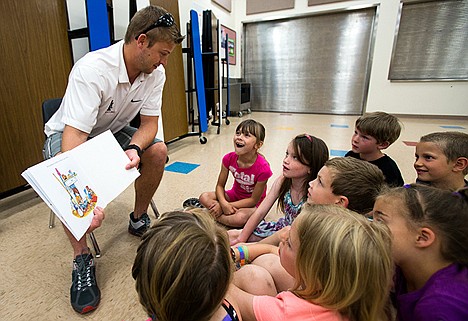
[(99, 95)]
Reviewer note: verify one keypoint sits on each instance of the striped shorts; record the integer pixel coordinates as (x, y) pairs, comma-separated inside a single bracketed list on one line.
[(53, 143)]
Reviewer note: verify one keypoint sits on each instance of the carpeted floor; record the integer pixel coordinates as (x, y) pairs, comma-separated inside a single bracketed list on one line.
[(35, 261)]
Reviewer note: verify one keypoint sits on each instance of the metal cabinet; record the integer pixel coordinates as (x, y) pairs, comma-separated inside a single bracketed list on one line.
[(239, 98)]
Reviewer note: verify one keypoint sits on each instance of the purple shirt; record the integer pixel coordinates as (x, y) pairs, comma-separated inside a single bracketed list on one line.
[(444, 297)]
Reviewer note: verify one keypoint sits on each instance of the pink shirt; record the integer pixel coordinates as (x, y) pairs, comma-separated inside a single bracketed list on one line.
[(287, 306), (245, 179)]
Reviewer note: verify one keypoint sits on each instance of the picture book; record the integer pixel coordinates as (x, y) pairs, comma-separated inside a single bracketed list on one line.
[(73, 183)]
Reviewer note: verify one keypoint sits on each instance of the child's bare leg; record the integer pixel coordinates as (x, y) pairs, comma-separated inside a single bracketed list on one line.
[(255, 280), (237, 219), (276, 237), (210, 202), (271, 263), (254, 238), (207, 199)]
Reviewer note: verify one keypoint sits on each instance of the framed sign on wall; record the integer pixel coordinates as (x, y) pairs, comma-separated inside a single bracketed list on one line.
[(231, 43)]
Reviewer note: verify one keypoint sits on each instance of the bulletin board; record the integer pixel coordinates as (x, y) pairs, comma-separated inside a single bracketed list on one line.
[(231, 35)]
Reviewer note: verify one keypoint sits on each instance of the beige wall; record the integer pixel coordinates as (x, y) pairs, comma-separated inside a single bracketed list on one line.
[(414, 98)]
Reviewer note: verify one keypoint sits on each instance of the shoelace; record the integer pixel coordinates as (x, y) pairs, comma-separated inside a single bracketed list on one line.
[(145, 219), (83, 269)]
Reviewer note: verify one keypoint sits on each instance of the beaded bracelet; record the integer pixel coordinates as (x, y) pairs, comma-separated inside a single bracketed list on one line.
[(246, 252), (241, 255), (233, 256)]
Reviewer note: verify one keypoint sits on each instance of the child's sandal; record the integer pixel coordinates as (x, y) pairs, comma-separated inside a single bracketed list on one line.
[(192, 202)]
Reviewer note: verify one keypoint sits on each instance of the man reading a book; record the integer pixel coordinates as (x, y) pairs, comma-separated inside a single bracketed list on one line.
[(107, 88)]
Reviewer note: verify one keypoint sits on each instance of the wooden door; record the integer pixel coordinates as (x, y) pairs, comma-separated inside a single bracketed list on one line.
[(34, 65), (174, 108)]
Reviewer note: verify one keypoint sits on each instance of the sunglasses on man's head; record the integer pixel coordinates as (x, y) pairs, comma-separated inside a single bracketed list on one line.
[(166, 20)]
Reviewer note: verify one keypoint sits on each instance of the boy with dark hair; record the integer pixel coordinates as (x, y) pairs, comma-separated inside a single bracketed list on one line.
[(442, 160), (374, 132)]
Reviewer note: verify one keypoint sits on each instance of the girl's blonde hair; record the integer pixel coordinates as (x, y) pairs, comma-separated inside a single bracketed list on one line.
[(183, 267), (343, 262)]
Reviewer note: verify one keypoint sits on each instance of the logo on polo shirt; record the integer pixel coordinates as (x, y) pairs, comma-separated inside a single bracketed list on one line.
[(110, 109)]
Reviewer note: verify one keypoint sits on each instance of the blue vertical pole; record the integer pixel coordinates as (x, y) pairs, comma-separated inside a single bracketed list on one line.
[(98, 24), (198, 70)]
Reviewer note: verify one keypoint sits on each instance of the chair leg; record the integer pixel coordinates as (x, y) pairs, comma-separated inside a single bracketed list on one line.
[(51, 219), (155, 209), (97, 250)]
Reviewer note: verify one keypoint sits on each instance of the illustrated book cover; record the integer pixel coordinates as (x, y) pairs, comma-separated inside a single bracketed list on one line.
[(73, 183)]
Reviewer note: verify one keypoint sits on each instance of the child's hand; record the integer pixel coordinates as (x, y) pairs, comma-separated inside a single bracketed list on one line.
[(242, 244), (234, 237), (215, 210), (228, 209), (236, 242), (97, 219)]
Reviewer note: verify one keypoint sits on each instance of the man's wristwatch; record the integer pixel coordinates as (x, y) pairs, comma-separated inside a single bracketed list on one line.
[(135, 147)]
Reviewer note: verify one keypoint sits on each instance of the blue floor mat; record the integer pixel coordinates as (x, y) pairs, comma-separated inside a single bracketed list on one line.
[(339, 126), (181, 167), (452, 127), (337, 152)]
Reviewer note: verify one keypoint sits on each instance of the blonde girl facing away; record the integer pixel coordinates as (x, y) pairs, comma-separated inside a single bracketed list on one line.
[(351, 282), (430, 248), (183, 268), (305, 155), (251, 172), (344, 181)]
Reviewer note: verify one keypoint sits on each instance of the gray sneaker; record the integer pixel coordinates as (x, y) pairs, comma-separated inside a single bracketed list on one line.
[(138, 227), (84, 292)]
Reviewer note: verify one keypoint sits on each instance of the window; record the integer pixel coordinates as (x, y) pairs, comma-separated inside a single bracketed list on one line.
[(431, 41)]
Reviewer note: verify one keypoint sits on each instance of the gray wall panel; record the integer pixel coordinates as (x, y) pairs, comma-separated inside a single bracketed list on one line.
[(431, 42), (310, 64)]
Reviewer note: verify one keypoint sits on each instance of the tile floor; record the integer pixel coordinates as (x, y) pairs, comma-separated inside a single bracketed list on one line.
[(35, 261)]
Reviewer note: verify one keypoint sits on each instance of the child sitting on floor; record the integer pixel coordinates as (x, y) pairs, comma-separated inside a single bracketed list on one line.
[(343, 181), (251, 173), (374, 132), (304, 157), (430, 248), (183, 268), (442, 160), (348, 182), (342, 266)]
